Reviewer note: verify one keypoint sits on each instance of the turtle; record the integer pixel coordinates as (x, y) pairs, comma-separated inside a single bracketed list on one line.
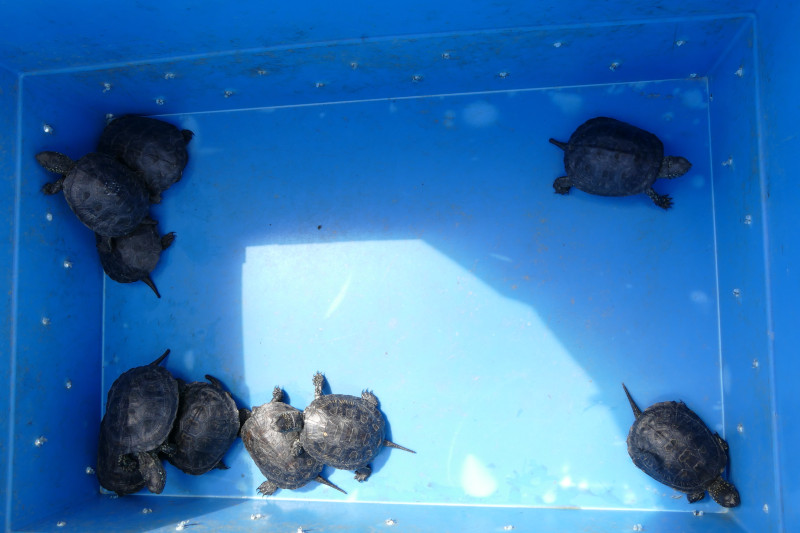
[(140, 411), (132, 257), (343, 431), (110, 473), (271, 435), (671, 444), (106, 196), (608, 157), (205, 427), (155, 147)]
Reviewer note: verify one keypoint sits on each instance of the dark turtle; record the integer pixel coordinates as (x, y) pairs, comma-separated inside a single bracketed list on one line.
[(140, 410), (110, 473), (206, 426), (344, 431), (155, 147), (133, 256), (670, 443), (108, 197), (608, 157), (271, 435)]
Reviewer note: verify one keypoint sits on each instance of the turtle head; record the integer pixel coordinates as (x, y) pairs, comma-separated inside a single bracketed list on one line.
[(724, 493), (674, 166), (55, 162)]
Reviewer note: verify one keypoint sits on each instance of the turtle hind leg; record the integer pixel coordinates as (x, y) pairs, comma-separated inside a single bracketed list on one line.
[(562, 185), (661, 200), (363, 473), (267, 488), (167, 240), (319, 382)]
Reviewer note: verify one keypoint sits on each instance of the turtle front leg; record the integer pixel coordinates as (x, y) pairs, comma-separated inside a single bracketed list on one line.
[(721, 442), (167, 449), (562, 185), (661, 200), (363, 473), (127, 463), (288, 422), (52, 188), (696, 496), (296, 449)]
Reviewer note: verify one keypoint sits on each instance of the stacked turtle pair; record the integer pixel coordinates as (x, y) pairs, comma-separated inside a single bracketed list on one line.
[(290, 446), (148, 414), (110, 191)]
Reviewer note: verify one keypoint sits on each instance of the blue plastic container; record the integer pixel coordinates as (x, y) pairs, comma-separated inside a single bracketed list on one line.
[(369, 194)]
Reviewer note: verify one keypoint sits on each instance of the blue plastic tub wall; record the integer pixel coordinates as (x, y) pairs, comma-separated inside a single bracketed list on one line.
[(369, 194)]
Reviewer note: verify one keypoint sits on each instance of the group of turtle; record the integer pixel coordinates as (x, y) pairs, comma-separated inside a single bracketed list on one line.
[(110, 191), (150, 414)]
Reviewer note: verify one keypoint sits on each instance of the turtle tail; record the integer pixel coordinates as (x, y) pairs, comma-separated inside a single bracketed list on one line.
[(149, 282), (390, 444), (158, 361), (322, 480), (636, 411), (561, 145)]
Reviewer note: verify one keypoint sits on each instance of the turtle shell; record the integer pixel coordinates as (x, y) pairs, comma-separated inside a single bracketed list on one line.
[(671, 444), (205, 427), (343, 431), (155, 147), (270, 445), (105, 195), (141, 408), (109, 472), (608, 157)]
